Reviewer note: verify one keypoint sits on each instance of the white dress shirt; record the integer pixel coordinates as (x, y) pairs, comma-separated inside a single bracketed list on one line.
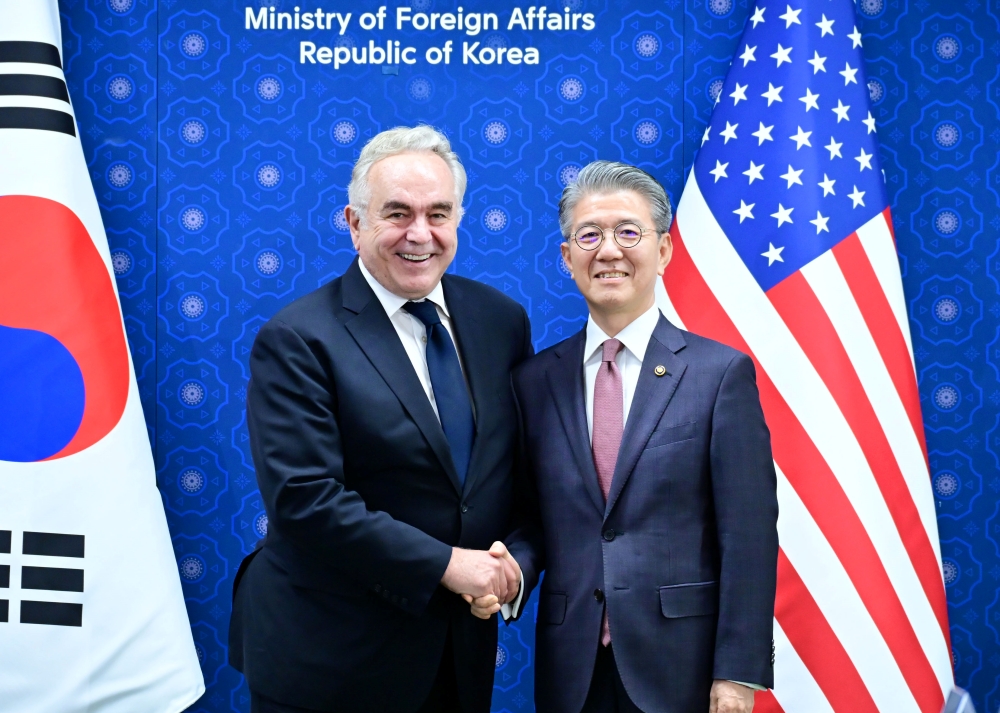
[(413, 335), (412, 332), (636, 338)]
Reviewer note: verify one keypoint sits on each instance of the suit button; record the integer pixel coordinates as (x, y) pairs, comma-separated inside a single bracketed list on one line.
[(609, 535), (465, 508), (378, 588), (598, 595)]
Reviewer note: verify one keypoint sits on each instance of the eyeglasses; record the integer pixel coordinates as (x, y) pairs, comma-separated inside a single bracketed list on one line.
[(590, 237)]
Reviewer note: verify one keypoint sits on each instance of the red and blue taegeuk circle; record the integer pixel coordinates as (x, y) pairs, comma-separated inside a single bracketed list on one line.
[(64, 370)]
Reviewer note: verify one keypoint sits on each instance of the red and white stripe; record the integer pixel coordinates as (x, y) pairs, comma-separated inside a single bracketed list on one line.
[(860, 617)]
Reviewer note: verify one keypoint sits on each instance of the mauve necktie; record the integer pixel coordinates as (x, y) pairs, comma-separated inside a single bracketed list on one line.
[(450, 393), (609, 423)]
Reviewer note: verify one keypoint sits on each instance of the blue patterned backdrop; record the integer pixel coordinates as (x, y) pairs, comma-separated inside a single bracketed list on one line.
[(221, 163)]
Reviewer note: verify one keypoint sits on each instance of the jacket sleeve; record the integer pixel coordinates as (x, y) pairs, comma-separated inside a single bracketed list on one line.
[(298, 455), (746, 510), (525, 542)]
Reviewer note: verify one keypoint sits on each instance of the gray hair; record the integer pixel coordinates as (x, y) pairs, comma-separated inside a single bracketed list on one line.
[(402, 139), (611, 177)]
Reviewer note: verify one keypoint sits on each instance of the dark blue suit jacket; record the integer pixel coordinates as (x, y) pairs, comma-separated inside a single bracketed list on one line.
[(684, 551), (341, 608)]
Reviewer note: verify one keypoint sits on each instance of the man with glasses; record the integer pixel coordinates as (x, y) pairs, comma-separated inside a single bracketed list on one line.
[(649, 494)]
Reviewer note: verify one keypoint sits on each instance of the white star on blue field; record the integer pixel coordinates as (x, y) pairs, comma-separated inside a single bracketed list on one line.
[(788, 164)]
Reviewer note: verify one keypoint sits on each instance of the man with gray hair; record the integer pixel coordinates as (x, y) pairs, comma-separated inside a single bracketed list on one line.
[(383, 431), (649, 489)]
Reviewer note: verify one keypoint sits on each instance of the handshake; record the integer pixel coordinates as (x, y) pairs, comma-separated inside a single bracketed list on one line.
[(485, 579)]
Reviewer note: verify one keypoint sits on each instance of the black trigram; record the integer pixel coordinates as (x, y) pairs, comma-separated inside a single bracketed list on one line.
[(34, 84), (36, 579)]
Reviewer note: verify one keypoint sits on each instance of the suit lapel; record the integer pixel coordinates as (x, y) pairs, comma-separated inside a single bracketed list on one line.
[(652, 394), (374, 333), (566, 382), (473, 339)]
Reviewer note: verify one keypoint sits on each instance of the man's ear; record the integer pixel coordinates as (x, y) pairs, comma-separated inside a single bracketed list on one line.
[(666, 251), (354, 222), (564, 249)]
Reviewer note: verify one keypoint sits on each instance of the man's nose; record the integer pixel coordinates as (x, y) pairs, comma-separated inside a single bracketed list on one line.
[(609, 249), (419, 230)]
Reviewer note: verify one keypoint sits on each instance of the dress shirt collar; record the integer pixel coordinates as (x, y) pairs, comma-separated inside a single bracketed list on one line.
[(392, 302), (635, 336)]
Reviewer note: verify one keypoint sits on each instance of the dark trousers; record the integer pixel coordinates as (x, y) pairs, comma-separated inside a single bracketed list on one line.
[(259, 704), (607, 692), (443, 697)]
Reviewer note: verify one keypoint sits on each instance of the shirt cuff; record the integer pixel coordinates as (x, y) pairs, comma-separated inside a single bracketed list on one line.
[(510, 611), (754, 686)]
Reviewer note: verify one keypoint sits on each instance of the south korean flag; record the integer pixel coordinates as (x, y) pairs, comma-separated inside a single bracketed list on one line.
[(92, 615)]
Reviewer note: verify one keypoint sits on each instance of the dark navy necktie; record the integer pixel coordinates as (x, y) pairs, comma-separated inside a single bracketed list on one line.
[(450, 393)]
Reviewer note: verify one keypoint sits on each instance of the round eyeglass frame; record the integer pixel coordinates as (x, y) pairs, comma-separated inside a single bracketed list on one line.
[(614, 233)]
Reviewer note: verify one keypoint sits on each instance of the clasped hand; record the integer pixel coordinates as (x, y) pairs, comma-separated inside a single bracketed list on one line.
[(485, 579)]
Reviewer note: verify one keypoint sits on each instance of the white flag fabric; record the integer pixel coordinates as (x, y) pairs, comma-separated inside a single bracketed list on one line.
[(92, 615)]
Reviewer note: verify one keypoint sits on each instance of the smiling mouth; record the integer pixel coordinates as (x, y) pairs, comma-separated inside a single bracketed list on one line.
[(415, 258), (610, 275)]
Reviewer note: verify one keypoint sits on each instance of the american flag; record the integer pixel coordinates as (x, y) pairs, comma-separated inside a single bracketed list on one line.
[(783, 248)]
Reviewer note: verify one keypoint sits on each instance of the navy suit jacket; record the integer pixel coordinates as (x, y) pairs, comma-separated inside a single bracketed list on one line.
[(341, 608), (684, 551)]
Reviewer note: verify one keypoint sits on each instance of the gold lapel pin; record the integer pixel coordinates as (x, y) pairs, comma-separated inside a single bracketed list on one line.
[(660, 370)]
